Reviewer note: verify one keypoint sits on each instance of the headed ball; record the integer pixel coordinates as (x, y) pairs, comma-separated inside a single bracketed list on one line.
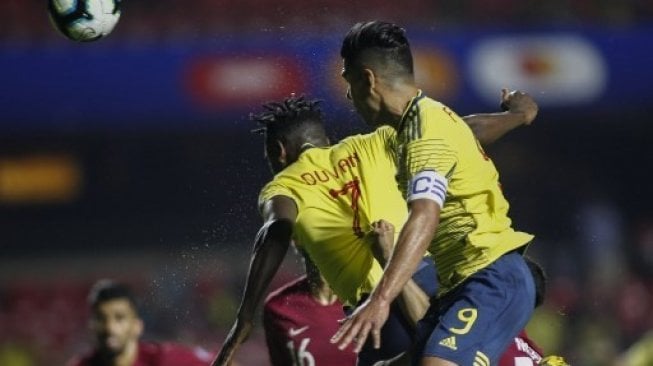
[(84, 20)]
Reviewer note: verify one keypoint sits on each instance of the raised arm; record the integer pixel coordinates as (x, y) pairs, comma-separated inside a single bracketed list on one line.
[(270, 247), (519, 109), (413, 300)]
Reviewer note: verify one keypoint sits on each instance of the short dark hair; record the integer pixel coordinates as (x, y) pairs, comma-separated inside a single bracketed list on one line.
[(539, 277), (106, 290), (293, 121), (378, 44)]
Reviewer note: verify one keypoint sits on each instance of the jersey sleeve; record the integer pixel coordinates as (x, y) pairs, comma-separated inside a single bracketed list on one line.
[(76, 361), (273, 189), (431, 156), (174, 354), (387, 135), (385, 141)]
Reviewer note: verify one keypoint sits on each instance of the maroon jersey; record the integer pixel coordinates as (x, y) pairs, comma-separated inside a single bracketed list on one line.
[(298, 328), (521, 352), (156, 354)]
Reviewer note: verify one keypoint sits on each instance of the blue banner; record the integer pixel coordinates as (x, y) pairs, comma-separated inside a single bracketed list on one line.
[(217, 82)]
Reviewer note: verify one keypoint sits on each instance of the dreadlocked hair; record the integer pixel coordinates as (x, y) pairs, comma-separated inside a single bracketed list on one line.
[(280, 119), (294, 123)]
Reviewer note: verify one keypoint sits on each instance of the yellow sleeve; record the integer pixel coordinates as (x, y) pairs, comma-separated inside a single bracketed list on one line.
[(431, 155), (273, 189), (387, 134), (432, 148)]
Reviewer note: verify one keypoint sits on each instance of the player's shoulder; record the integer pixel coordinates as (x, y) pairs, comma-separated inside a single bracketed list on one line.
[(424, 101), (170, 353), (432, 119), (276, 181), (380, 134), (370, 147), (432, 109), (83, 359), (296, 288), (78, 361), (279, 185)]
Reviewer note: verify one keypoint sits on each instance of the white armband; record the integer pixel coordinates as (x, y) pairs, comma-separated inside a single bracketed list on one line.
[(428, 184)]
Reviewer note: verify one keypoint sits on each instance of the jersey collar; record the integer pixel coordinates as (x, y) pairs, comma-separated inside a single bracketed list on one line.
[(305, 147), (412, 103)]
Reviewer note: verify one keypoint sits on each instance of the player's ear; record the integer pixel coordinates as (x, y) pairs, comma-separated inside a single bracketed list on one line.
[(370, 78), (139, 327), (283, 154)]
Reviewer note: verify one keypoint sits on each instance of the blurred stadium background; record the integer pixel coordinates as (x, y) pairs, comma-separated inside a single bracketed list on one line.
[(131, 157)]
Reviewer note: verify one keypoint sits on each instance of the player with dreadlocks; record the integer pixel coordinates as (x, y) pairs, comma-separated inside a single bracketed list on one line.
[(328, 199)]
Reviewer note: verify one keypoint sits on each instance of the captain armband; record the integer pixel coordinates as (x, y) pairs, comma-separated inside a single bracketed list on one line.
[(429, 185)]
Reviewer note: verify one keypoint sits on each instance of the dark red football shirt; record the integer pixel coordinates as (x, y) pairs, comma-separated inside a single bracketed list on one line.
[(298, 328), (156, 354), (521, 352)]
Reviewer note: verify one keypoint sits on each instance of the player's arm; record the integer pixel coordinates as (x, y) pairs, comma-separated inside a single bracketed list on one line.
[(413, 241), (270, 247), (519, 109), (413, 301)]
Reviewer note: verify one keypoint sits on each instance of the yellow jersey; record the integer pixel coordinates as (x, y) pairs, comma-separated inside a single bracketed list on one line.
[(439, 158), (339, 191)]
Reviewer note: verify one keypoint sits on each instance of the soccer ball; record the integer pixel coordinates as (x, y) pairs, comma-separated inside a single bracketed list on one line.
[(84, 20)]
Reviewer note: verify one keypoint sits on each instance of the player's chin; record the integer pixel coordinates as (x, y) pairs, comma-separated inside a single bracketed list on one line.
[(111, 347), (109, 353)]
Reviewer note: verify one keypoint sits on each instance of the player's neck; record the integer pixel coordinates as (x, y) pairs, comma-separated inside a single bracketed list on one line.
[(324, 296), (322, 293), (396, 102), (128, 356)]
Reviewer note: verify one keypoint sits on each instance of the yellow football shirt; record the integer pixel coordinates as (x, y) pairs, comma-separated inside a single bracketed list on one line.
[(439, 158), (339, 191)]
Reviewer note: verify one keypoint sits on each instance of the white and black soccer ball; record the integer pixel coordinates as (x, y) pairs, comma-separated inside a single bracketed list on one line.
[(84, 20)]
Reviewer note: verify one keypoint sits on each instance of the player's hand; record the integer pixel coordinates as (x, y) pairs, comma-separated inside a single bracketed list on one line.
[(383, 240), (237, 335), (367, 318), (517, 101)]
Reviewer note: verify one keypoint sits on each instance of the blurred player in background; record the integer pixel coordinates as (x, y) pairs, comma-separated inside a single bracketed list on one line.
[(456, 211), (117, 327), (326, 199)]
